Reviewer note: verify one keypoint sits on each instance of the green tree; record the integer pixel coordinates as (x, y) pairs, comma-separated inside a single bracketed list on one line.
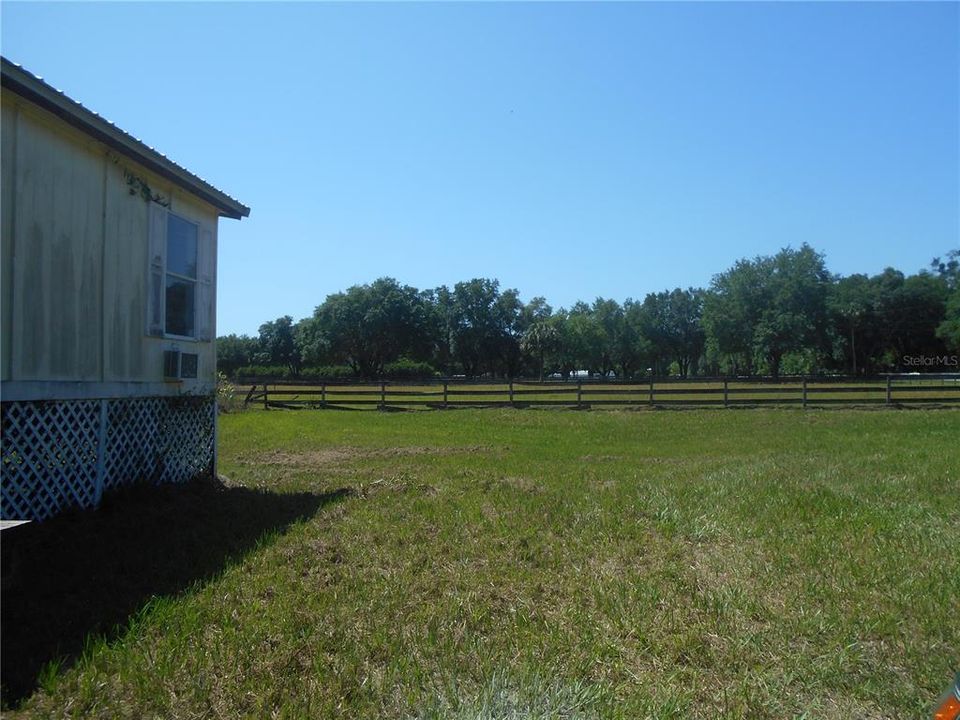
[(277, 345), (537, 310), (234, 352), (770, 306), (731, 310), (368, 326), (949, 328), (909, 311), (538, 339), (441, 322), (948, 269), (877, 321), (511, 324), (673, 323), (609, 320), (851, 307), (633, 352), (560, 357), (486, 327), (584, 339)]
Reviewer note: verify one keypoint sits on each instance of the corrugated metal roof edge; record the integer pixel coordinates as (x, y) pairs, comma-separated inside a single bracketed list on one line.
[(34, 89)]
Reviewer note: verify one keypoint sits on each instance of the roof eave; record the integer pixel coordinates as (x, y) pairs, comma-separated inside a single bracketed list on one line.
[(38, 92)]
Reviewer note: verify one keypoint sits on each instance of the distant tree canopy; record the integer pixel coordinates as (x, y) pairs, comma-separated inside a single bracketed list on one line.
[(776, 314), (278, 342), (949, 272), (764, 309), (368, 326), (235, 352), (673, 325)]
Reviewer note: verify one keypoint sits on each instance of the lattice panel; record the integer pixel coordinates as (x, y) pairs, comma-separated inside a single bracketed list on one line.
[(133, 449), (44, 440), (52, 450), (187, 441)]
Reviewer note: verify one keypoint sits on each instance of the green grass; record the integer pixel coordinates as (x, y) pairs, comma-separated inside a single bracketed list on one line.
[(534, 564)]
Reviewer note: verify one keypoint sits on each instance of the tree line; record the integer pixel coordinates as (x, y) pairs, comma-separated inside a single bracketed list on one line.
[(770, 315)]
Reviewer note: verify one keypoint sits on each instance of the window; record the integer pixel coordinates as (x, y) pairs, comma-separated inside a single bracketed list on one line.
[(181, 277)]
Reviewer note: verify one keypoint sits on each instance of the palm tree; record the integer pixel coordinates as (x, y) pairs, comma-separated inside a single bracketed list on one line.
[(538, 339)]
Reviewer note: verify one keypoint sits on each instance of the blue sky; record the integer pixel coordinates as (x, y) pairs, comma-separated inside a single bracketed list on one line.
[(569, 150)]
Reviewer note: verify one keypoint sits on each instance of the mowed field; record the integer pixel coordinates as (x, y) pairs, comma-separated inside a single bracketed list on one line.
[(500, 563)]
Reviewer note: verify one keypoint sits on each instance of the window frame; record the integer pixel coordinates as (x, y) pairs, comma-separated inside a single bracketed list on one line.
[(195, 280)]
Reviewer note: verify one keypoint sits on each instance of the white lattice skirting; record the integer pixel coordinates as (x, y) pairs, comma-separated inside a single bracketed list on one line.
[(65, 453)]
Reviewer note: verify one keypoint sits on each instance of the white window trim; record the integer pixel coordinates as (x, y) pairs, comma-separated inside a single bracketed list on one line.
[(204, 322)]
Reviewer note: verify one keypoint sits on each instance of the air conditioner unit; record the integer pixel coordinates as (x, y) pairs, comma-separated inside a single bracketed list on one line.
[(179, 365)]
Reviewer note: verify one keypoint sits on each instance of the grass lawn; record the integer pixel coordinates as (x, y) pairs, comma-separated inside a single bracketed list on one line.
[(546, 563)]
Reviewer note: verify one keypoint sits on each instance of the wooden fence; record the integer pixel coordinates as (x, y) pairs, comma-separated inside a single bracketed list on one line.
[(895, 390)]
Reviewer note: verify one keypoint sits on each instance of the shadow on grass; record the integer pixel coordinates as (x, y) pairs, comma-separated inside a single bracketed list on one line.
[(88, 572)]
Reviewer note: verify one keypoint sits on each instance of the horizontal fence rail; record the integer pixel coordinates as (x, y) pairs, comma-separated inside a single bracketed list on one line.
[(896, 390)]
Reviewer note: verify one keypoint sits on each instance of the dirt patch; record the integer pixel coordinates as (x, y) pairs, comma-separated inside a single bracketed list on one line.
[(347, 454), (401, 482), (525, 484)]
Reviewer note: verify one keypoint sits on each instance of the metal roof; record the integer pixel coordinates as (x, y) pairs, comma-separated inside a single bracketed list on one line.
[(34, 89)]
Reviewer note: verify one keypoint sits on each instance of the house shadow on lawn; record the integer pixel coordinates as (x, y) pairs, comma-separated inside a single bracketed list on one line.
[(89, 572)]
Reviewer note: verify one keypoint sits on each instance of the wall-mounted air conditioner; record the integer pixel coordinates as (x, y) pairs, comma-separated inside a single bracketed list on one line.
[(179, 365)]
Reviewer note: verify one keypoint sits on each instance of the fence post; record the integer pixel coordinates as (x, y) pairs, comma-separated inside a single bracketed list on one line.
[(726, 394), (264, 396), (323, 395), (383, 394), (804, 392), (889, 391), (511, 393), (579, 394), (445, 406), (651, 390)]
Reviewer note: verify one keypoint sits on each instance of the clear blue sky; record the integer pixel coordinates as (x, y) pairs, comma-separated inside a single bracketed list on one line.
[(569, 150)]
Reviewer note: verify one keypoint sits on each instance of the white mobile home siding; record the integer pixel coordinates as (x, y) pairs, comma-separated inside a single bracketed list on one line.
[(85, 404), (75, 266)]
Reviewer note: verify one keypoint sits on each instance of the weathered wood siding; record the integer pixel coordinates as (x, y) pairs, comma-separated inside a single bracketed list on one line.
[(74, 270), (8, 116)]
